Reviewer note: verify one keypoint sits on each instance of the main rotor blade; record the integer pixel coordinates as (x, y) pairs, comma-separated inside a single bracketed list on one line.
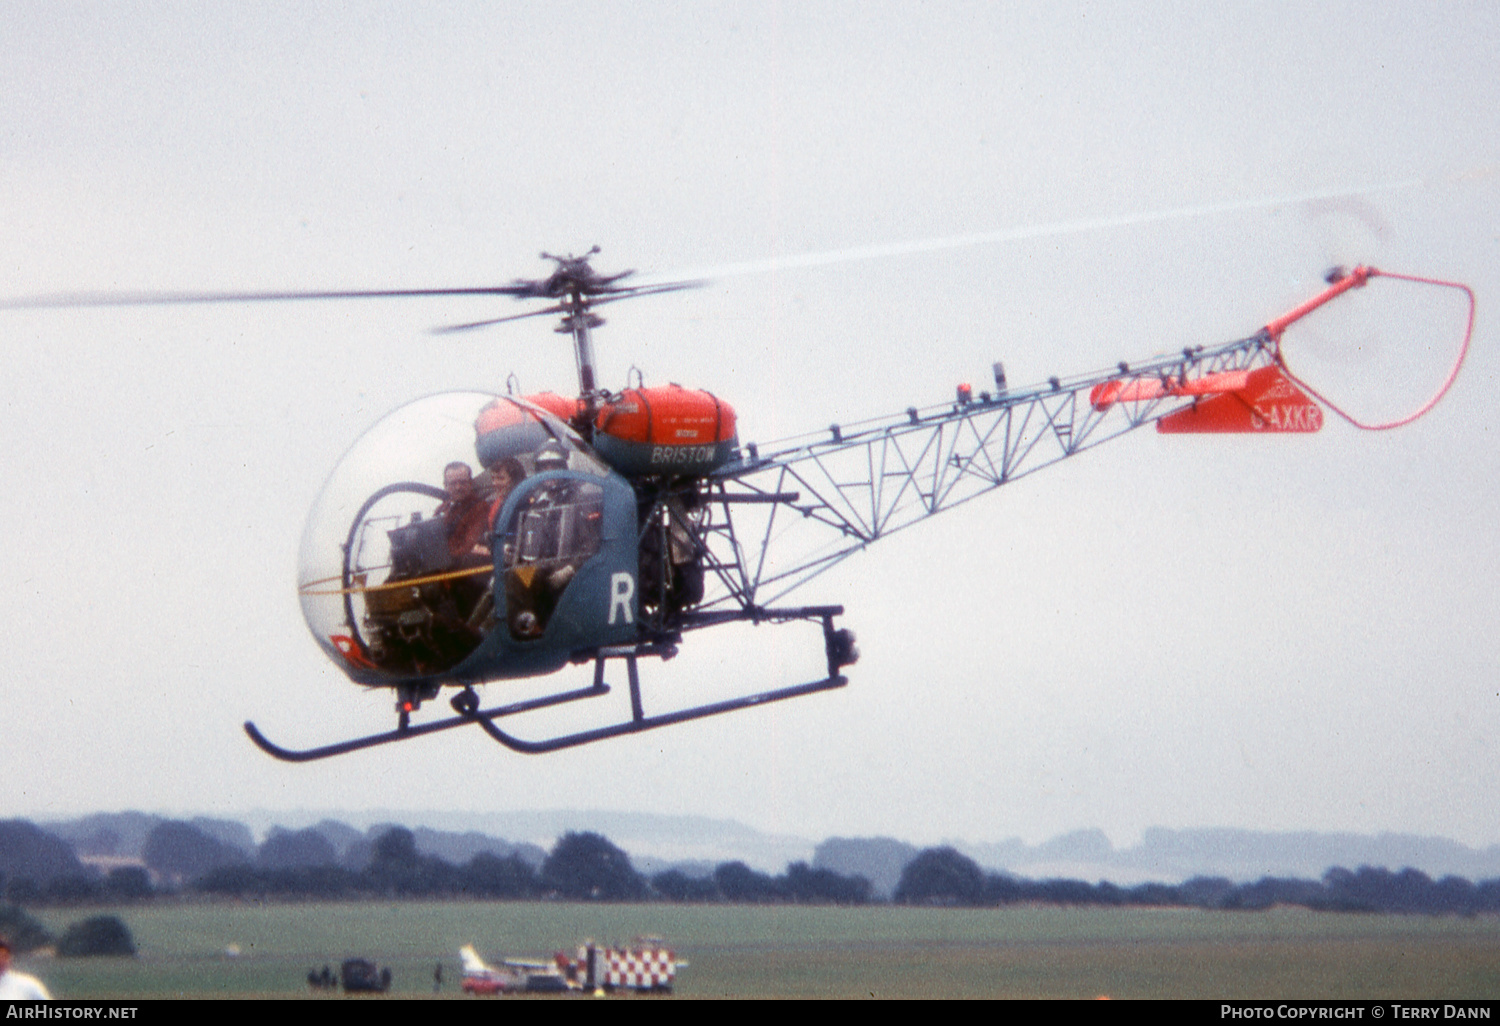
[(611, 295), (841, 256), (519, 290), (449, 329), (608, 297), (70, 299)]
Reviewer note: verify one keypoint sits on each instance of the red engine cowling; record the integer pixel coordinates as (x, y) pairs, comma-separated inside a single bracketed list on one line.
[(667, 430), (561, 407)]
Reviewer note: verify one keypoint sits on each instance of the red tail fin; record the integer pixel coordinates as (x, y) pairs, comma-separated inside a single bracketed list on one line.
[(1267, 402)]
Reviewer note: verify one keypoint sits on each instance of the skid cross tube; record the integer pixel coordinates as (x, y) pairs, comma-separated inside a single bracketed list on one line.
[(640, 722)]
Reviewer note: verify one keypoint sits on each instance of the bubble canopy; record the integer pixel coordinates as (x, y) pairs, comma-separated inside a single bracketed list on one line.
[(395, 573)]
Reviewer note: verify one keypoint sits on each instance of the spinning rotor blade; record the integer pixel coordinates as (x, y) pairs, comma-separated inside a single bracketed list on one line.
[(575, 277), (609, 297), (67, 299), (581, 281), (452, 329), (947, 242), (649, 290)]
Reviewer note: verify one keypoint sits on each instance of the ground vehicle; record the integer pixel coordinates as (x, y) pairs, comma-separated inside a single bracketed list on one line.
[(362, 976), (511, 976), (646, 964)]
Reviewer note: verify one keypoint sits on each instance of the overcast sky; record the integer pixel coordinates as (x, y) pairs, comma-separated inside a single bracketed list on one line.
[(1270, 633)]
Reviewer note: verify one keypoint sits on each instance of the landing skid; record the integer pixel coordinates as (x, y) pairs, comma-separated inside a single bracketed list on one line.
[(406, 731), (466, 703)]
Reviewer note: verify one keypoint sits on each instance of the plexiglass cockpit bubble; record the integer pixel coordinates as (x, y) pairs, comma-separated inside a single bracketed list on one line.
[(396, 573)]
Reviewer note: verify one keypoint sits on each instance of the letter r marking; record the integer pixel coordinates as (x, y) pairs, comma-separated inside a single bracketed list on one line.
[(621, 591)]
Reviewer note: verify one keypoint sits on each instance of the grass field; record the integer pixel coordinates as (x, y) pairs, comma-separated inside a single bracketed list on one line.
[(780, 951)]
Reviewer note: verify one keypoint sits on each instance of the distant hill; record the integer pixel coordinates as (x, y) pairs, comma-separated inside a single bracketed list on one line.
[(877, 859), (667, 840), (656, 842), (1170, 856), (125, 835)]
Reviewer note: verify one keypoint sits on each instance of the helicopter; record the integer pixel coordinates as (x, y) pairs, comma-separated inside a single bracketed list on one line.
[(610, 526)]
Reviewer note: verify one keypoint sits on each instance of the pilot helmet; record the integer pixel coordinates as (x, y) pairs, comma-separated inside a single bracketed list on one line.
[(551, 457)]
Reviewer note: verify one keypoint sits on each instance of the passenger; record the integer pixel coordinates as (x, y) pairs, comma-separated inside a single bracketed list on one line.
[(457, 602), (504, 477), (465, 518)]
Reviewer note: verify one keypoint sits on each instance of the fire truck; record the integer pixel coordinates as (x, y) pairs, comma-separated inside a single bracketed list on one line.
[(646, 963)]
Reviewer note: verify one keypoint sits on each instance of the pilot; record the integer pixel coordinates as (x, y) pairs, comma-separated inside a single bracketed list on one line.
[(535, 579), (551, 457), (554, 531)]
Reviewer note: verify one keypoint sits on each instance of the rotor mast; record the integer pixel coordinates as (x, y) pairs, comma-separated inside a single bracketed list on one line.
[(573, 284), (576, 287), (577, 320)]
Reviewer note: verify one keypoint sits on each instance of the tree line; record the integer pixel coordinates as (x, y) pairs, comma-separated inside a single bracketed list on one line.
[(580, 867), (943, 876), (585, 866)]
